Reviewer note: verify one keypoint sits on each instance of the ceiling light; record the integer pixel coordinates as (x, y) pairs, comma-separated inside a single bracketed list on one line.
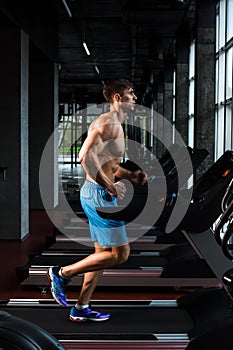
[(67, 8), (97, 69), (86, 48)]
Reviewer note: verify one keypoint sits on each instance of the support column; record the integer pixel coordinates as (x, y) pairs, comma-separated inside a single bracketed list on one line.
[(43, 123), (14, 189), (204, 110)]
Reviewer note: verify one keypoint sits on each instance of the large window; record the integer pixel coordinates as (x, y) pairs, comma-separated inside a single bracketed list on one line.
[(72, 130), (174, 107), (191, 94), (223, 90)]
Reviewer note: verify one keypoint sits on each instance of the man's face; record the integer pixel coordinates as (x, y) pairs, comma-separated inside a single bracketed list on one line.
[(128, 99)]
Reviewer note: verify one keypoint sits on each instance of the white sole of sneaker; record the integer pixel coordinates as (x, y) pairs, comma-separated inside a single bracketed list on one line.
[(77, 319), (83, 319)]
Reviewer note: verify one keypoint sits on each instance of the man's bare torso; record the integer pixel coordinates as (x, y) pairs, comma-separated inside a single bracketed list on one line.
[(111, 146)]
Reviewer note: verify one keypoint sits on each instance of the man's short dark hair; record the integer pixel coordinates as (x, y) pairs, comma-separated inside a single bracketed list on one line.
[(115, 86)]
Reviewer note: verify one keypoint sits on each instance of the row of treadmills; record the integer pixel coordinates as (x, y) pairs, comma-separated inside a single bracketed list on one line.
[(199, 320), (155, 260)]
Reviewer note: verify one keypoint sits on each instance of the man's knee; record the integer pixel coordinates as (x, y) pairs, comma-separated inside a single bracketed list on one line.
[(122, 259), (121, 254)]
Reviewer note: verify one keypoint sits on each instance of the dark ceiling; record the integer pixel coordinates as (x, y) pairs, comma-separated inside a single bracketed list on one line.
[(126, 38), (129, 39)]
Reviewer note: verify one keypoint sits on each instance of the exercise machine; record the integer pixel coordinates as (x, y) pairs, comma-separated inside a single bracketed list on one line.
[(18, 334)]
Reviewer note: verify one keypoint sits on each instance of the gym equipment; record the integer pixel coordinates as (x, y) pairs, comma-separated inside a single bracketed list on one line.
[(206, 198), (220, 334), (224, 236), (18, 334), (176, 266), (150, 324), (77, 228), (155, 175)]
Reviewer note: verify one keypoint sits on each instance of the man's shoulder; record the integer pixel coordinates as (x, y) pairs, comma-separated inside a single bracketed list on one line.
[(106, 125), (105, 119)]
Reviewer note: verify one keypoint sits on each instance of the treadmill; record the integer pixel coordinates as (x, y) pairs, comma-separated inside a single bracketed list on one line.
[(155, 324), (184, 268), (77, 237), (74, 226), (141, 247)]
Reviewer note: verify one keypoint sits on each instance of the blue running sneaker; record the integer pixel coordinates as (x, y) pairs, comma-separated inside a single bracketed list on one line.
[(87, 314), (57, 285)]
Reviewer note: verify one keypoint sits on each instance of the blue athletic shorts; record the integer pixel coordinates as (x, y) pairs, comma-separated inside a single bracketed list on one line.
[(104, 231)]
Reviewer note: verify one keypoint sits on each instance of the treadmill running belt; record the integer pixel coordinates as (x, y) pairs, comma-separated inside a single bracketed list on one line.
[(134, 262), (124, 323)]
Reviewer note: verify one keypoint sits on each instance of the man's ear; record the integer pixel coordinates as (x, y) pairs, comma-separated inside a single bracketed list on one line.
[(117, 97)]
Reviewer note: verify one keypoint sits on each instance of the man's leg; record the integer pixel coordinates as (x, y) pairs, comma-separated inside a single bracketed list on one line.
[(101, 259), (91, 280), (82, 311)]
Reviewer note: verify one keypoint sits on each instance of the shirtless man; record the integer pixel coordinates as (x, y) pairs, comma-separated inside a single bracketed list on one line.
[(100, 157)]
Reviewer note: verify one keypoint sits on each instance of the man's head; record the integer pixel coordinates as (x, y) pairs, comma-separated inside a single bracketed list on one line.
[(113, 87)]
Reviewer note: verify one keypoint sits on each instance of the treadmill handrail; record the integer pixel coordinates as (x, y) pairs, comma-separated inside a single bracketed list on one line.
[(225, 241), (222, 221), (227, 196)]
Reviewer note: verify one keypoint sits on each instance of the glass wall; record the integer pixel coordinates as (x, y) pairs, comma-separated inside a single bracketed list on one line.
[(223, 90)]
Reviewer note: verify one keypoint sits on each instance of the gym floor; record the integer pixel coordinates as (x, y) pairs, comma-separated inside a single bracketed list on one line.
[(14, 254)]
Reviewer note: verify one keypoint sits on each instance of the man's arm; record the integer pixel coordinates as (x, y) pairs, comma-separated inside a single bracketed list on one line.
[(123, 173), (137, 177)]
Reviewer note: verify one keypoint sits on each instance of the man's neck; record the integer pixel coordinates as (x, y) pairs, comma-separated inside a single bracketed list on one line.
[(121, 116)]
